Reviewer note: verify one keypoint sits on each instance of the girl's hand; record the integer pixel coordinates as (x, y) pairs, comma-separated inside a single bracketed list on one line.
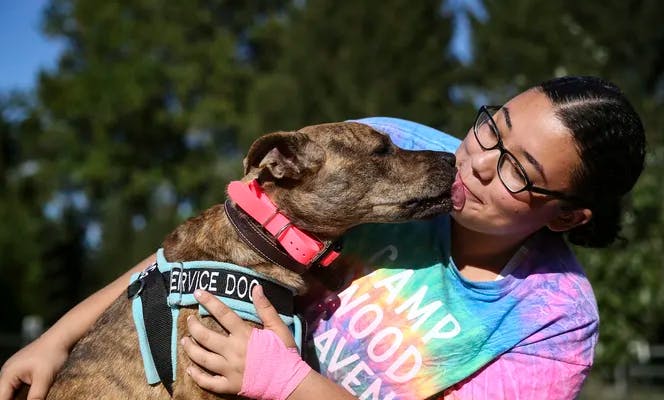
[(35, 365), (226, 356)]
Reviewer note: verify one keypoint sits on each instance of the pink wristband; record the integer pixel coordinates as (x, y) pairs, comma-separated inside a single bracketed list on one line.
[(272, 371)]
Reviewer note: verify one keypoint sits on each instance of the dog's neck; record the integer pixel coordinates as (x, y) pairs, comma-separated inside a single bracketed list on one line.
[(211, 236), (302, 249)]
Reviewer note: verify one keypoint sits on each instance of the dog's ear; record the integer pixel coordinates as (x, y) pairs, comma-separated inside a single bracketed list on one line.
[(278, 156)]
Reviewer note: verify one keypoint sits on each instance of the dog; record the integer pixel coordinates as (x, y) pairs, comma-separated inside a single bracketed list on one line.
[(325, 179)]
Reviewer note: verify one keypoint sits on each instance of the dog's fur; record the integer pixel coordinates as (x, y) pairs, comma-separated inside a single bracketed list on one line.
[(326, 178)]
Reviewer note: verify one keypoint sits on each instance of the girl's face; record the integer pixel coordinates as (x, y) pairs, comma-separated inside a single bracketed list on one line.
[(542, 145)]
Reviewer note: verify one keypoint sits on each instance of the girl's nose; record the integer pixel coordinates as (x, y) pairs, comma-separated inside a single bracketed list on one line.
[(484, 164)]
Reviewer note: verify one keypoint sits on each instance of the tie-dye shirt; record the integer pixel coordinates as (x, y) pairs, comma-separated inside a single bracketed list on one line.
[(415, 326), (410, 326)]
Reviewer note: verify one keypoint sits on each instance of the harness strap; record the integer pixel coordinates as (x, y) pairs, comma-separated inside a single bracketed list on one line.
[(160, 290), (232, 285), (158, 325)]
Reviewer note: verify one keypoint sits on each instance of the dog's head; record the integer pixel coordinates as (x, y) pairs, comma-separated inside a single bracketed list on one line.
[(328, 178)]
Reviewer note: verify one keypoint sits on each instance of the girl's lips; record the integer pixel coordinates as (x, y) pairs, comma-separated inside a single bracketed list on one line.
[(458, 193)]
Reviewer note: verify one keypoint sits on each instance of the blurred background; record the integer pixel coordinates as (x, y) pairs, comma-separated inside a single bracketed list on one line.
[(120, 119)]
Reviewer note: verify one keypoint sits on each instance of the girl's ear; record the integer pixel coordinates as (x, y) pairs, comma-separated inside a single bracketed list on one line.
[(568, 219)]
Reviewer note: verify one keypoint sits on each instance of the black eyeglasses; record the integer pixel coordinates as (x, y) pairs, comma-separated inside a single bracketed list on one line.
[(510, 171)]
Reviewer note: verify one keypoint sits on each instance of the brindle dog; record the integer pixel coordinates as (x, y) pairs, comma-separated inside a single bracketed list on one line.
[(326, 178)]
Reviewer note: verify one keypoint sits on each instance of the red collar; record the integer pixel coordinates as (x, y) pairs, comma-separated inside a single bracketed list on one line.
[(301, 246)]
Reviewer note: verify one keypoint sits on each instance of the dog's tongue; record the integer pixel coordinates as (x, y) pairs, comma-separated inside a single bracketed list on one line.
[(458, 195)]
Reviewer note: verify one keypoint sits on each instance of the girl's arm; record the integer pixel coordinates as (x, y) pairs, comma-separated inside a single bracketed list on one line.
[(76, 322), (38, 363)]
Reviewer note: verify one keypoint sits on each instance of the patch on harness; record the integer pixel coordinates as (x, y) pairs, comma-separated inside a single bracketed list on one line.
[(174, 284), (229, 284)]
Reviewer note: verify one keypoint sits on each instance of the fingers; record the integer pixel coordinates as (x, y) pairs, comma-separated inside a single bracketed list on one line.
[(213, 362), (224, 315), (213, 383), (38, 389), (7, 386), (206, 337), (10, 383), (223, 376), (270, 317)]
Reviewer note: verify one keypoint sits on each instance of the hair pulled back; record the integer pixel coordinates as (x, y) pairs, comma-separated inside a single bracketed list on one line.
[(610, 141)]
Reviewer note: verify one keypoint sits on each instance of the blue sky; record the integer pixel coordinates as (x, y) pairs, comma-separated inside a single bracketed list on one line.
[(23, 49)]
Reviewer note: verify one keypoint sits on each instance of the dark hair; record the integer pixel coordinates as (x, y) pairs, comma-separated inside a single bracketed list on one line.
[(611, 144)]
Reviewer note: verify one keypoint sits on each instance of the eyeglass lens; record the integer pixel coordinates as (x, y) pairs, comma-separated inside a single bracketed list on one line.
[(509, 169)]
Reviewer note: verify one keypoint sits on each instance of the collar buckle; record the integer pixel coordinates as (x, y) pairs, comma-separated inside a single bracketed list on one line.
[(330, 251)]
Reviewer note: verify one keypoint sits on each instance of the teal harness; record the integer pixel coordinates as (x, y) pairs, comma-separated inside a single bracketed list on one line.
[(158, 292)]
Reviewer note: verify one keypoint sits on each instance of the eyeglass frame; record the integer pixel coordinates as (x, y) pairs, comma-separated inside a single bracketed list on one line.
[(529, 186)]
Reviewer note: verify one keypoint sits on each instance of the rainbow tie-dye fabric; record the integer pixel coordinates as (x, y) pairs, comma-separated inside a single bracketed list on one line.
[(414, 326)]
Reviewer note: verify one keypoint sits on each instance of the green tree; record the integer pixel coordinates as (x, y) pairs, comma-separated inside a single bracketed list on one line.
[(19, 211), (339, 62), (135, 129)]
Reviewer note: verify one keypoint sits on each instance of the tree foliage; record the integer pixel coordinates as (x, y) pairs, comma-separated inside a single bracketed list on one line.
[(152, 104)]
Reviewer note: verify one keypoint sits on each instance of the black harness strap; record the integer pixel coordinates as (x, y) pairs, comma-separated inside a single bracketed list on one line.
[(158, 324), (154, 286)]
